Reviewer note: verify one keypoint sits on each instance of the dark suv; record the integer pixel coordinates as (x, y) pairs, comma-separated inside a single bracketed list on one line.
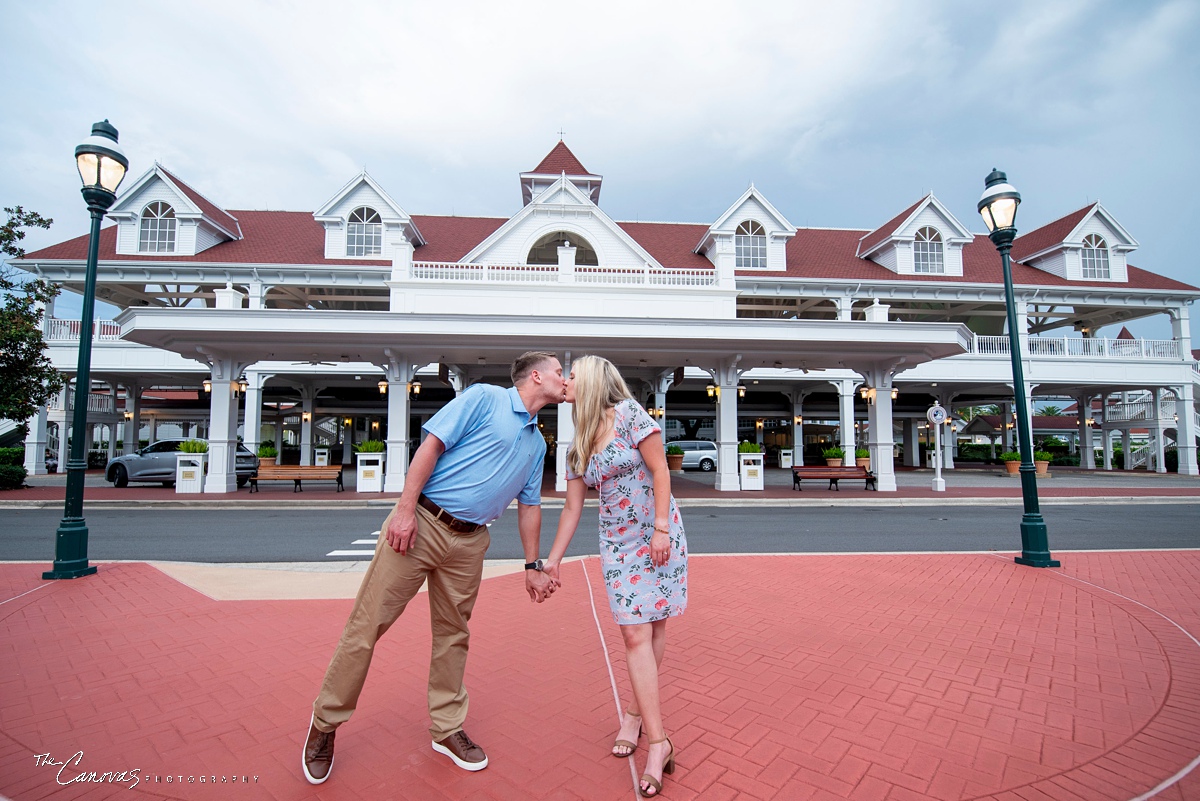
[(156, 462)]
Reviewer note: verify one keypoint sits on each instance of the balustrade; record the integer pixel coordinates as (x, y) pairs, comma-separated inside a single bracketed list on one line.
[(98, 402), (549, 274), (1078, 347), (58, 330)]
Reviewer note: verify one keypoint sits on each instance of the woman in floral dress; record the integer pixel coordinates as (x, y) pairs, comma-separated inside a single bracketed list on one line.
[(618, 449)]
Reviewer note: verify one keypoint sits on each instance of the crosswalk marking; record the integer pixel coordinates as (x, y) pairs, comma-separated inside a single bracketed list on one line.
[(374, 540)]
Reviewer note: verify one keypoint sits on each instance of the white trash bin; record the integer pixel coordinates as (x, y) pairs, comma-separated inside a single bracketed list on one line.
[(189, 472), (751, 465), (785, 458), (370, 472)]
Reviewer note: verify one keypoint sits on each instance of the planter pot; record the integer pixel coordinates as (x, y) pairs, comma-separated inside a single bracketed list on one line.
[(369, 474), (674, 461), (1012, 467), (1042, 468), (189, 472), (864, 462), (833, 462), (751, 470)]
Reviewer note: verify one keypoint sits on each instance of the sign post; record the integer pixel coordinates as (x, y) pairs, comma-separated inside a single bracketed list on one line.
[(937, 417)]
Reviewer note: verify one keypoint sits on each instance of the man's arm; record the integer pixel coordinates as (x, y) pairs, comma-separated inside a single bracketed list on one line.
[(402, 531), (529, 524)]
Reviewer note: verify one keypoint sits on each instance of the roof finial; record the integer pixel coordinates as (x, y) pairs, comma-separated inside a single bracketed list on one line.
[(560, 133)]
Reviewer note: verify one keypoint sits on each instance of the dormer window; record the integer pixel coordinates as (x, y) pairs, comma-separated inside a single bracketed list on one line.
[(1094, 257), (364, 233), (927, 252), (750, 245), (157, 233)]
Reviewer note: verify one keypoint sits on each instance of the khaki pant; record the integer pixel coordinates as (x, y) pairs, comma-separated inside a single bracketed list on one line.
[(453, 565)]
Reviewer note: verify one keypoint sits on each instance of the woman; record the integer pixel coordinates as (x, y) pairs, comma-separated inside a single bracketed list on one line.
[(618, 448)]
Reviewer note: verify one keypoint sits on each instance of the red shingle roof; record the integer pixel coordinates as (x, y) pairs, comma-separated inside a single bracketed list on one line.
[(1048, 235), (560, 160), (1039, 422), (218, 215), (670, 244), (1125, 333), (887, 229)]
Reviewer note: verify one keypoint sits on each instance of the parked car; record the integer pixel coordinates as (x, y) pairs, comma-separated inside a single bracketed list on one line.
[(698, 454), (156, 462)]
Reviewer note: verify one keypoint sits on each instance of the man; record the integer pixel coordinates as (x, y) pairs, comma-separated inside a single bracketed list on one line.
[(481, 451)]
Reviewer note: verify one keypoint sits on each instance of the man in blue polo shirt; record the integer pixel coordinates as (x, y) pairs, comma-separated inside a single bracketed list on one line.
[(482, 450)]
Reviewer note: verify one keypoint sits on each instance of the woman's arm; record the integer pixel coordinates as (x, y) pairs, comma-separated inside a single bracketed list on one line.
[(567, 523), (655, 458)]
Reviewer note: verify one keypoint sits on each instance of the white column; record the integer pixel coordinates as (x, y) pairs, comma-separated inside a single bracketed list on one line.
[(726, 376), (844, 304), (133, 426), (880, 442), (256, 295), (1106, 441), (35, 444), (252, 427), (798, 428), (278, 438), (307, 394), (1160, 433), (566, 433), (399, 374), (222, 427), (347, 440), (64, 439), (1006, 429), (111, 428), (912, 442), (154, 428), (1126, 446), (1185, 429), (845, 390), (1087, 448), (1181, 330)]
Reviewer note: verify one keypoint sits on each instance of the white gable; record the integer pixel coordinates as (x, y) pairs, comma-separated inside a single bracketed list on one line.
[(194, 231), (561, 207), (719, 238), (360, 191), (1065, 259), (897, 252)]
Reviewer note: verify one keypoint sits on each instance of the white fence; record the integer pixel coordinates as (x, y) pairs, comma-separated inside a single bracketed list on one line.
[(550, 274), (1078, 347), (98, 402), (68, 330)]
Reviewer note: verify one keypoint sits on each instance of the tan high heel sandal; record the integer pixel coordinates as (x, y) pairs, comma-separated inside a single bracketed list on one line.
[(668, 767), (625, 743)]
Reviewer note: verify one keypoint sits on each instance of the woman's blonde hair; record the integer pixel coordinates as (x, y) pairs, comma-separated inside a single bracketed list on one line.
[(598, 388)]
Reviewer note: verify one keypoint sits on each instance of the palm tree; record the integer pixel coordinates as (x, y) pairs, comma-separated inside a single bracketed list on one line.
[(1051, 411)]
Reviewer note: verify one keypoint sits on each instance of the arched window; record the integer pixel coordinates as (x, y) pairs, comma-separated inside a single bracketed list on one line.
[(364, 233), (158, 229), (545, 250), (750, 245), (927, 252), (1095, 257)]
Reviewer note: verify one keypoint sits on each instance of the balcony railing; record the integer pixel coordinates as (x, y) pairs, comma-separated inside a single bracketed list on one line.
[(98, 402), (551, 274), (1078, 347), (68, 330)]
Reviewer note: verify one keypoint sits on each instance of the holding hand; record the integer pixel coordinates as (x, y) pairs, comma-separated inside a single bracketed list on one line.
[(539, 585)]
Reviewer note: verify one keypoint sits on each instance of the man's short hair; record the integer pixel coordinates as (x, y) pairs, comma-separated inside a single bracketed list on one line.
[(526, 362)]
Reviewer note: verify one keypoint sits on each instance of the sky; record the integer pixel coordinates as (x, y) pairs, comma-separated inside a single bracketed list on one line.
[(842, 114)]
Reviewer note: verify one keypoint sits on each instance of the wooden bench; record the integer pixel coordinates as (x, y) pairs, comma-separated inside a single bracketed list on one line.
[(296, 473), (834, 474)]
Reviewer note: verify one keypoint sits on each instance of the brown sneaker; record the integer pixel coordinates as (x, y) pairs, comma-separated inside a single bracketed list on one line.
[(318, 754), (459, 747)]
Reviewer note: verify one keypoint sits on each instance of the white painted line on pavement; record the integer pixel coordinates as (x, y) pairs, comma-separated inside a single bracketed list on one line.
[(350, 553), (366, 542)]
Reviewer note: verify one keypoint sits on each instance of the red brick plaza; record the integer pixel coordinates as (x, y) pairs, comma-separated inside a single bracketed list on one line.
[(790, 677)]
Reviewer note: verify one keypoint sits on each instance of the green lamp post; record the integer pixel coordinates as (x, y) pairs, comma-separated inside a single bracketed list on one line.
[(102, 167), (998, 207)]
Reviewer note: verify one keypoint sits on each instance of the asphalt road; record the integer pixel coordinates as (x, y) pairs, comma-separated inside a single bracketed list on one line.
[(309, 535)]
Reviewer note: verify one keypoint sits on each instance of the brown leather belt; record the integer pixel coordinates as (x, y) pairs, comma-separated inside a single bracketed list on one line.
[(454, 524)]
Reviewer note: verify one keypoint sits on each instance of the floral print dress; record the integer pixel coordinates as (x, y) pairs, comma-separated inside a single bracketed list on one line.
[(638, 591)]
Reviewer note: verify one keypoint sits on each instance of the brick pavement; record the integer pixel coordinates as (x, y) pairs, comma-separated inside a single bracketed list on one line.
[(826, 677)]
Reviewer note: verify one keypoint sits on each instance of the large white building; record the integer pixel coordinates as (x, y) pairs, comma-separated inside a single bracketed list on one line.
[(848, 333)]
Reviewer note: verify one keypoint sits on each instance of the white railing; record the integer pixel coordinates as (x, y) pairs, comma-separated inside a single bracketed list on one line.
[(1139, 411), (1138, 458), (68, 330), (98, 402), (1077, 347), (550, 274)]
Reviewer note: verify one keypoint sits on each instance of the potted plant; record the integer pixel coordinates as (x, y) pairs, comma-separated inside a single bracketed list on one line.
[(190, 462), (267, 452), (1012, 462), (369, 475), (862, 457), (1041, 461), (833, 456), (674, 457)]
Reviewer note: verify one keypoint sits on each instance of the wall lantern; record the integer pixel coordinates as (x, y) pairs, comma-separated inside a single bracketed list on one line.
[(242, 385), (713, 390), (128, 415), (375, 424), (414, 388), (869, 393), (348, 421), (306, 417), (741, 390), (1091, 421), (798, 419), (207, 383), (758, 424), (383, 387)]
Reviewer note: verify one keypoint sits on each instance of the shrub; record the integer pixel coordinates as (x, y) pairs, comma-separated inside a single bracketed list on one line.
[(749, 447), (1171, 460), (1010, 456), (12, 476), (371, 446), (972, 452), (267, 452), (97, 460), (1042, 456), (1065, 461), (12, 456), (862, 453), (674, 450), (193, 446), (833, 453)]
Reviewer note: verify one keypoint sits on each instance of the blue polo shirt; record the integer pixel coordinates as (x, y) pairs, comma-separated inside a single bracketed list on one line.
[(494, 453)]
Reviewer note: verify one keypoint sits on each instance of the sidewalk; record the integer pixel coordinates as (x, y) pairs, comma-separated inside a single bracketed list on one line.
[(879, 678)]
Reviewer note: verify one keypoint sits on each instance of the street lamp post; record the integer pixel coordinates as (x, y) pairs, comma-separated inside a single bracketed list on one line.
[(102, 167), (998, 207)]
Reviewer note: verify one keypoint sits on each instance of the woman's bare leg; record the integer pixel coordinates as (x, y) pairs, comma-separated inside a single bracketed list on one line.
[(642, 659)]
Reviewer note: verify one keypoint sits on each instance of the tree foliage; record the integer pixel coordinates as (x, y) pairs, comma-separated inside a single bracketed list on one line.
[(27, 378)]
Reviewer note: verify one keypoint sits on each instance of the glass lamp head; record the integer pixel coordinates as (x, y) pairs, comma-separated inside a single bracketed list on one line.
[(101, 162), (998, 204)]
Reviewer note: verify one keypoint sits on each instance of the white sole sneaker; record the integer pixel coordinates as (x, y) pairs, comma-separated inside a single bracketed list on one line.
[(304, 761), (472, 766)]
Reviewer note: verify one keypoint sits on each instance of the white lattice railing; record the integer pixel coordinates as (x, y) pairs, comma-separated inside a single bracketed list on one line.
[(1077, 347), (550, 274), (68, 330), (98, 402)]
